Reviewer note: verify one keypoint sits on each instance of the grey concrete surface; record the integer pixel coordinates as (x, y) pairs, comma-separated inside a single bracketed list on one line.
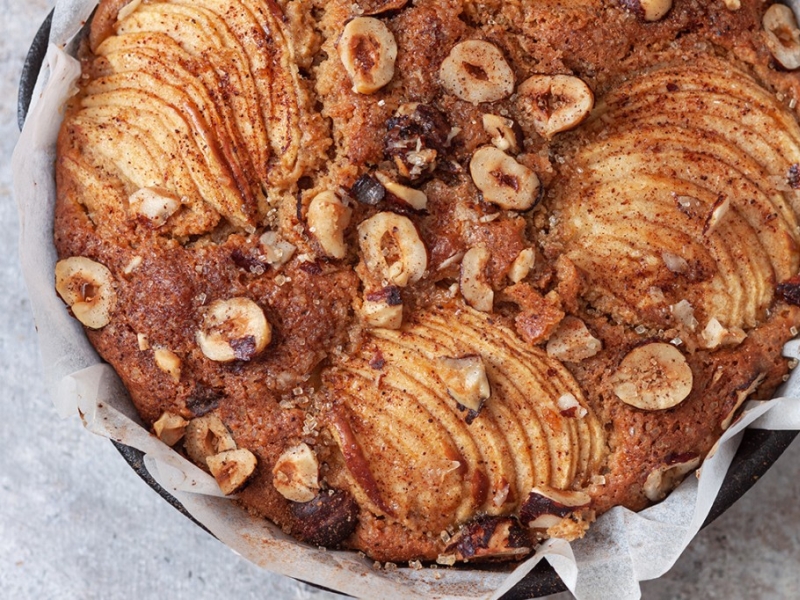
[(77, 523)]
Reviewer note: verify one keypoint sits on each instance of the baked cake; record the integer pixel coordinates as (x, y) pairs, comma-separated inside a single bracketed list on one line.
[(436, 280)]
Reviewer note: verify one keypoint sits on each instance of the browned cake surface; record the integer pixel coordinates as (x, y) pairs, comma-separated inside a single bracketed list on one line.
[(212, 139)]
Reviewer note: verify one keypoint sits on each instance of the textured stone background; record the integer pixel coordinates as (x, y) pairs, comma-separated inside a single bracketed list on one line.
[(77, 523)]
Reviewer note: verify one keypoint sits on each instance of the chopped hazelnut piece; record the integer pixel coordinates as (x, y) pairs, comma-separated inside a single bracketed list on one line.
[(573, 341), (368, 52), (649, 10), (655, 376), (555, 103), (169, 362), (296, 474), (383, 309), (277, 252), (416, 199), (88, 289), (232, 469), (502, 180), (466, 380), (504, 136), (474, 286), (328, 218), (476, 71), (170, 428), (392, 249), (234, 329), (522, 265), (207, 436), (782, 35)]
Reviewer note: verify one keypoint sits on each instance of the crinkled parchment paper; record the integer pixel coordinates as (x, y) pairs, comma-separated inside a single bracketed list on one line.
[(620, 550)]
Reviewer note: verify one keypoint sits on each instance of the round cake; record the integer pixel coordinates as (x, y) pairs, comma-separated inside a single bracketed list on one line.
[(436, 280)]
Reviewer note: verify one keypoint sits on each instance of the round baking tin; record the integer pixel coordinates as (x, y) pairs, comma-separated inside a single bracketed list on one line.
[(757, 452)]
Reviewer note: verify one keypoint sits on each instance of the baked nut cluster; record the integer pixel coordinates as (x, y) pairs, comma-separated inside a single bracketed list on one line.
[(436, 280)]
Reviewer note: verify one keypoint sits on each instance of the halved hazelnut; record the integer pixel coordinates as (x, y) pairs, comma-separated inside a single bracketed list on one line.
[(474, 285), (170, 428), (154, 204), (416, 199), (88, 289), (277, 252), (572, 341), (504, 135), (487, 537), (368, 52), (466, 381), (232, 469), (328, 217), (545, 507), (649, 10), (502, 180), (169, 362), (296, 474), (234, 329), (392, 249), (382, 309), (476, 71), (664, 479), (522, 265), (782, 35), (655, 376), (207, 436), (555, 103)]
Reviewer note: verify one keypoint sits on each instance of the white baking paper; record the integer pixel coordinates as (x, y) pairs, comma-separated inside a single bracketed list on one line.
[(620, 550)]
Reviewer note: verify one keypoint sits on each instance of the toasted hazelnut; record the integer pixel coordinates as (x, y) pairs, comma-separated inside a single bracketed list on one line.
[(232, 469), (170, 428), (649, 10), (665, 478), (504, 136), (466, 381), (545, 506), (368, 52), (153, 204), (207, 436), (655, 376), (782, 35), (296, 474), (383, 309), (733, 5), (502, 180), (416, 199), (555, 103), (476, 71), (327, 520), (474, 286), (569, 406), (88, 289), (522, 265), (234, 329), (572, 341), (328, 218), (277, 252), (392, 249), (169, 362), (487, 537)]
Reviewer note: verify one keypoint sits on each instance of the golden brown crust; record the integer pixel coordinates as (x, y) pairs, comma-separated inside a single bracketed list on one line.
[(203, 132)]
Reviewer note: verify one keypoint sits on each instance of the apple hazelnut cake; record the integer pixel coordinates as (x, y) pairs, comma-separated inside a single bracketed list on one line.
[(436, 280)]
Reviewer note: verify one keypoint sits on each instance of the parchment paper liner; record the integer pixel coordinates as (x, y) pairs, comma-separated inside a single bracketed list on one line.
[(621, 549)]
